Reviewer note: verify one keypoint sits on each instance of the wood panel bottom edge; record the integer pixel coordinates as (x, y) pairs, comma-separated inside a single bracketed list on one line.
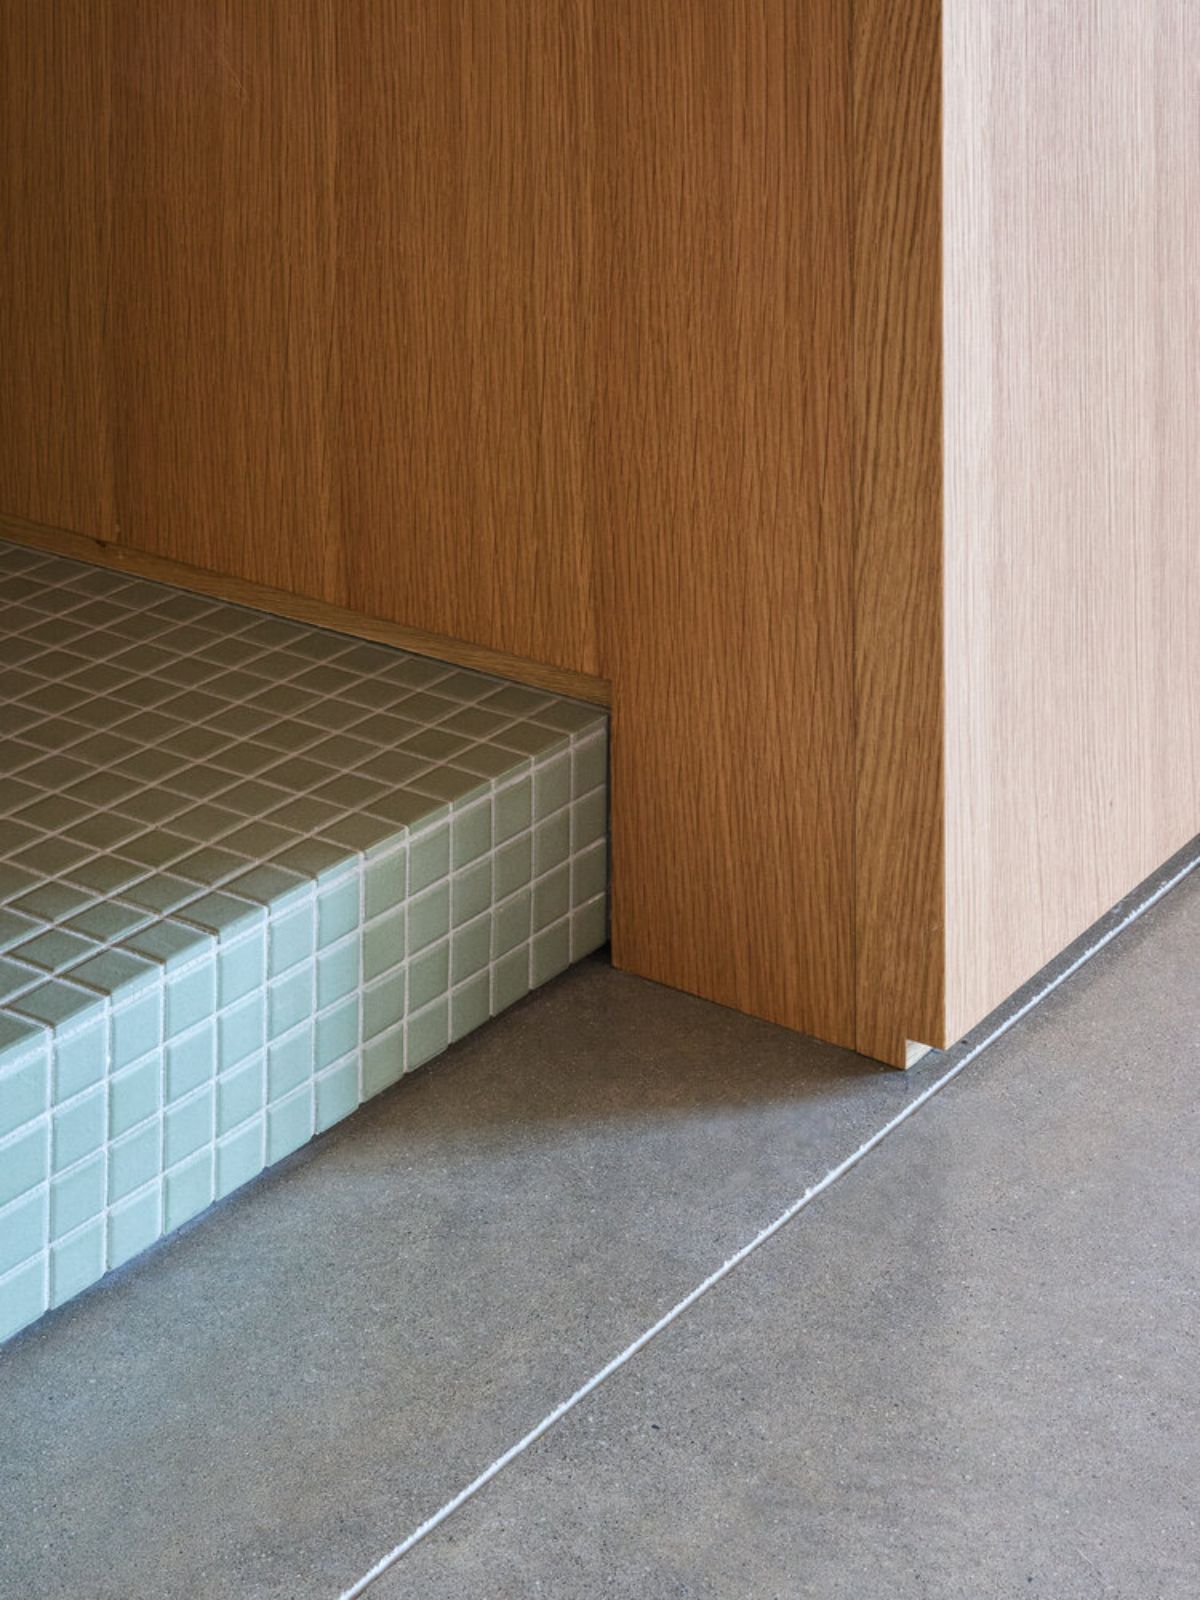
[(302, 608)]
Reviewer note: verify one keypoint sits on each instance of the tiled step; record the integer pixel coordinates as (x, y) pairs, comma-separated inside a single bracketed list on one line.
[(250, 873)]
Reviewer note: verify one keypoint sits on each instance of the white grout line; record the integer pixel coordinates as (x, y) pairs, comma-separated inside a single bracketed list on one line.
[(735, 1260)]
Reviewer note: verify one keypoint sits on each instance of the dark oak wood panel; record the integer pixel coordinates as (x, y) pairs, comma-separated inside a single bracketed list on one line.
[(723, 498)]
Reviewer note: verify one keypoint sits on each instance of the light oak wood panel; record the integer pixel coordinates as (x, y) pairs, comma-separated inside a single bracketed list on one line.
[(222, 370), (1072, 429), (319, 613), (897, 383), (55, 461), (722, 487), (465, 222)]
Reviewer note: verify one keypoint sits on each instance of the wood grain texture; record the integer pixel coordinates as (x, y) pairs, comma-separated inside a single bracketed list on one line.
[(296, 291), (55, 222), (318, 613), (465, 221), (1072, 429), (723, 493), (222, 368), (897, 384)]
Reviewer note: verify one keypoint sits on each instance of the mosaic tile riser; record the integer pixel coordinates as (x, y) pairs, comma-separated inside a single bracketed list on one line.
[(251, 873)]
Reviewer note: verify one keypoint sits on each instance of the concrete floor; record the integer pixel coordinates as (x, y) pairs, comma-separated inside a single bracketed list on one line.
[(967, 1369)]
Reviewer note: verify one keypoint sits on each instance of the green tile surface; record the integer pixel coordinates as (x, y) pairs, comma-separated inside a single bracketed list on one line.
[(250, 873)]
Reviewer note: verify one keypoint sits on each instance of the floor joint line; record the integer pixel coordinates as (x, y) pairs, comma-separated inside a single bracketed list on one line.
[(386, 1562)]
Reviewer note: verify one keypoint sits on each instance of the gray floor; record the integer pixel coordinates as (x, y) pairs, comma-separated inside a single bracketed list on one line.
[(968, 1369)]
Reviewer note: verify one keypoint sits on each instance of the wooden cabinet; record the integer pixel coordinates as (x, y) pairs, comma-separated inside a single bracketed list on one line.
[(816, 382)]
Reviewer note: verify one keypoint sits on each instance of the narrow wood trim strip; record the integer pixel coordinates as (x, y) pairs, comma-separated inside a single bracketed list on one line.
[(900, 923), (301, 608)]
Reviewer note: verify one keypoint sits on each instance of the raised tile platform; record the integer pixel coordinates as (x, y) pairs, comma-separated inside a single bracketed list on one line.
[(250, 873)]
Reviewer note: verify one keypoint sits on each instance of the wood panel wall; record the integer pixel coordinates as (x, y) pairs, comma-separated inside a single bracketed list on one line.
[(521, 322), (1072, 438), (817, 379)]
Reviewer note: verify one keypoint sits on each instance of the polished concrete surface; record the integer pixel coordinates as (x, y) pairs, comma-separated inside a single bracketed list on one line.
[(968, 1368)]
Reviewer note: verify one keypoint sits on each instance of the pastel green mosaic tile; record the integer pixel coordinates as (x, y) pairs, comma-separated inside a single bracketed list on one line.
[(336, 1094), (133, 1225), (552, 785), (289, 1000), (190, 1061), (516, 700), (510, 979), (472, 892), (241, 966), (448, 783), (79, 1128), (19, 1036), (114, 972), (190, 997), (178, 774), (382, 1004), (290, 938), (589, 929), (336, 1032), (136, 1026), (337, 910), (134, 1159), (14, 928), (23, 1227), (383, 943), (551, 952), (107, 920), (531, 738), (54, 951), (514, 866), (551, 842), (383, 1062), (80, 1058), (133, 1095), (290, 1124), (511, 923), (226, 915), (428, 857), (188, 1189), (239, 1158), (24, 1091), (339, 971), (16, 978), (469, 1005), (429, 975), (428, 917), (385, 881), (427, 1034), (77, 1196), (170, 943), (589, 820), (240, 1094), (23, 1297), (312, 857), (471, 833), (513, 809), (77, 1262), (289, 1063), (188, 1125), (24, 1161), (589, 873), (470, 948), (241, 1030)]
